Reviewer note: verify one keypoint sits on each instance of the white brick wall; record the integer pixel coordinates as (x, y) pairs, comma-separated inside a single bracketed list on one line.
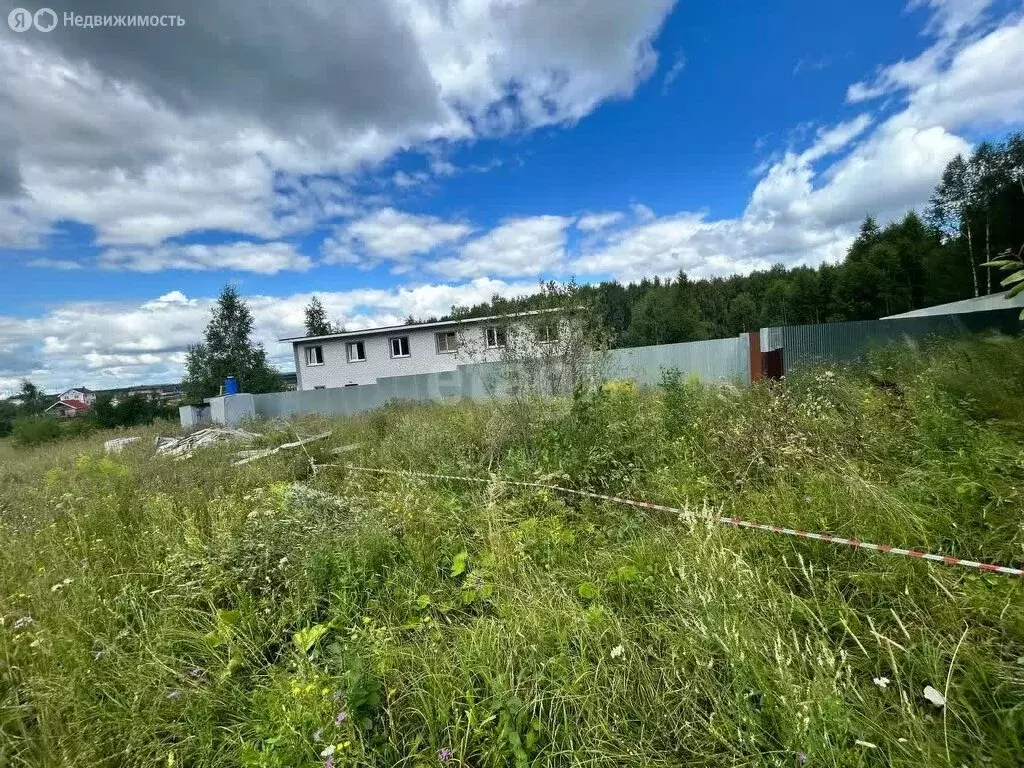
[(336, 371)]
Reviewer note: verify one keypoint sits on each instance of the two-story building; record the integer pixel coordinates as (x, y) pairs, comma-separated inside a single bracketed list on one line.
[(73, 402), (361, 357)]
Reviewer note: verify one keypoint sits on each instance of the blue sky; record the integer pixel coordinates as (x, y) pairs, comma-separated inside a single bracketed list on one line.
[(397, 159)]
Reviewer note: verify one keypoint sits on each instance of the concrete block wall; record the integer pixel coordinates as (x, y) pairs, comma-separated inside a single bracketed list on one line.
[(233, 409)]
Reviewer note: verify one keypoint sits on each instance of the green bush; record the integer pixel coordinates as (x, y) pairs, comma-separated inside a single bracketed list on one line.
[(34, 430)]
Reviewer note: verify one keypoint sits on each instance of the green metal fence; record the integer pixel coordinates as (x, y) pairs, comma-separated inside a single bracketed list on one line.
[(804, 345)]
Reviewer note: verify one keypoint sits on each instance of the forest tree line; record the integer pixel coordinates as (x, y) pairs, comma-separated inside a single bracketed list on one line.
[(975, 215)]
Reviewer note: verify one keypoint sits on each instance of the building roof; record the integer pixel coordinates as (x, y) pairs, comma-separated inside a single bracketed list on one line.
[(979, 304), (415, 326), (83, 390), (77, 405)]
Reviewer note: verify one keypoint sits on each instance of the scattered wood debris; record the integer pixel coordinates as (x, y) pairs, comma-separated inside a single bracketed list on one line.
[(245, 457), (182, 447)]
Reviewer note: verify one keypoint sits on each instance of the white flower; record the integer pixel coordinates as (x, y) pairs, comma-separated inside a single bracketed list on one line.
[(328, 751), (881, 682), (934, 696), (617, 651)]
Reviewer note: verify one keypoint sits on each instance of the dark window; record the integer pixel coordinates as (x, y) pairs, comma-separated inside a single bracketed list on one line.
[(447, 341), (547, 333), (314, 355), (356, 352), (400, 346), (496, 337)]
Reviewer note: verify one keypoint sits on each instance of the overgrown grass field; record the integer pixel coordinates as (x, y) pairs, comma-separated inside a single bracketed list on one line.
[(189, 613)]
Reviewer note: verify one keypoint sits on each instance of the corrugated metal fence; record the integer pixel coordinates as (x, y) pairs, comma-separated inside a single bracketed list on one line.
[(718, 359), (803, 345)]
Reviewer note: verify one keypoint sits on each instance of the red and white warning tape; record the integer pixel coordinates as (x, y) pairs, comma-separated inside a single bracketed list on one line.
[(733, 521)]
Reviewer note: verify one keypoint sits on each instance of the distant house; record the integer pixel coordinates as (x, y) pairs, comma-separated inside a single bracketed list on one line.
[(77, 395), (72, 402), (168, 393), (361, 357), (68, 409)]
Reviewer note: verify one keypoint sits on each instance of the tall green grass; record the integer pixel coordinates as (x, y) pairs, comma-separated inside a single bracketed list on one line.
[(189, 613)]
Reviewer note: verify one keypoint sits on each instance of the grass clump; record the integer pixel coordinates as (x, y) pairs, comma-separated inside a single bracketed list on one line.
[(190, 613)]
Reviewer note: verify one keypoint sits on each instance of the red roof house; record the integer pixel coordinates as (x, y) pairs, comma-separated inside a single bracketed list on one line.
[(68, 409)]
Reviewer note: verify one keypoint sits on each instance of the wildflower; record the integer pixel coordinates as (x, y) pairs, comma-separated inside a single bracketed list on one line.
[(617, 651), (23, 622), (329, 762), (444, 755), (318, 736), (328, 751), (881, 682), (934, 697), (341, 718)]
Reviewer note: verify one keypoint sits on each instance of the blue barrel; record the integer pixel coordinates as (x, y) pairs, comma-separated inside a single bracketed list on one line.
[(230, 386)]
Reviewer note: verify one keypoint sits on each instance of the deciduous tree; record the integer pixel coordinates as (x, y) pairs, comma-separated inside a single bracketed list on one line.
[(227, 349)]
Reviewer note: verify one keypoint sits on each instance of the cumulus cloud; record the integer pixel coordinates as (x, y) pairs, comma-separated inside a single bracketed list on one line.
[(151, 133), (391, 234), (114, 344), (806, 206), (949, 19), (531, 245)]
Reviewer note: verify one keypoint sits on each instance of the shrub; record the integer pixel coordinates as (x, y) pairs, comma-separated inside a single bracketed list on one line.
[(78, 427), (35, 430)]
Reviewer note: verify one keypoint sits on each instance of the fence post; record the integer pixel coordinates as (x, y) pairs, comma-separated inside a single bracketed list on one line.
[(756, 371)]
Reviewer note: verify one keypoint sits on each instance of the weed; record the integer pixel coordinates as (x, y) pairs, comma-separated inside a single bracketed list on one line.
[(191, 613)]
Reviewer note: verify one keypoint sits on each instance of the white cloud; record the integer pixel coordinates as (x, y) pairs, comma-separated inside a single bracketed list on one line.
[(802, 213), (703, 248), (404, 180), (147, 135), (532, 245), (981, 85), (592, 222), (113, 344), (263, 259), (950, 17), (392, 234)]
